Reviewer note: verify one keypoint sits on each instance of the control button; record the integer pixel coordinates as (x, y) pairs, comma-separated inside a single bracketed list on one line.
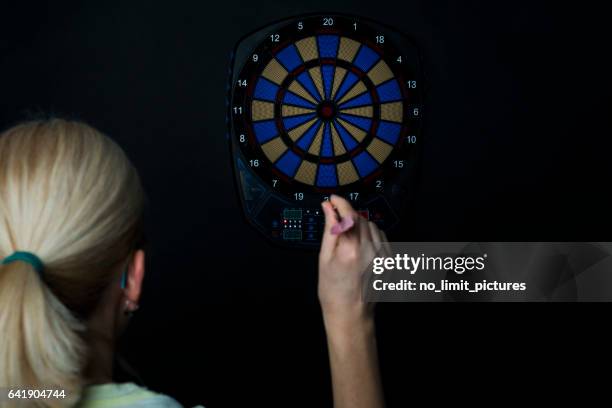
[(292, 213), (292, 235)]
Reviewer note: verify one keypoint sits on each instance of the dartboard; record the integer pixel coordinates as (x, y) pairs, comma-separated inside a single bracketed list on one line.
[(323, 104)]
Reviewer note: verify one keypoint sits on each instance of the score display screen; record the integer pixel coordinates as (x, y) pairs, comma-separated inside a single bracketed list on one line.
[(323, 104)]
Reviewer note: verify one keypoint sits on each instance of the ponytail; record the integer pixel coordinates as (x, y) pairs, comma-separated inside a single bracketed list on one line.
[(69, 195), (41, 347)]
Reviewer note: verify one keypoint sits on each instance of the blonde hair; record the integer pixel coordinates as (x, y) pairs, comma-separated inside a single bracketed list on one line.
[(69, 195)]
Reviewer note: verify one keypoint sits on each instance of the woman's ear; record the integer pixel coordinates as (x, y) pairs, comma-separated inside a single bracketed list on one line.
[(136, 271)]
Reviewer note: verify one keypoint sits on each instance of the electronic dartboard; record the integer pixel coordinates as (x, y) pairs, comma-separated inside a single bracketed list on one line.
[(323, 104)]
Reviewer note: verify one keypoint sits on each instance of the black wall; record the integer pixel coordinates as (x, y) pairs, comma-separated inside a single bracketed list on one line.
[(517, 123)]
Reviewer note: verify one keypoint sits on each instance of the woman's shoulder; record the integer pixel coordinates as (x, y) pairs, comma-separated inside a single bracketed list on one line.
[(124, 395)]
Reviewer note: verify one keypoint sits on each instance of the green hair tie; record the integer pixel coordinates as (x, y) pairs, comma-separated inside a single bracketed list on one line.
[(26, 257)]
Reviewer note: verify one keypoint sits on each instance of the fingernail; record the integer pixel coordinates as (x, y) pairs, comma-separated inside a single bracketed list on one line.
[(344, 225)]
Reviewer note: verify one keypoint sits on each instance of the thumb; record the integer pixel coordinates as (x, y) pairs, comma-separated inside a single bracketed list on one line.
[(329, 241)]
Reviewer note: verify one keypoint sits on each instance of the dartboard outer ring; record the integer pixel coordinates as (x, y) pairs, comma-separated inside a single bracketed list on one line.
[(289, 183)]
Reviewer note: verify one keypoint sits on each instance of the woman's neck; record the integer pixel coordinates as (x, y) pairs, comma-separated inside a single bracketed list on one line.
[(99, 369)]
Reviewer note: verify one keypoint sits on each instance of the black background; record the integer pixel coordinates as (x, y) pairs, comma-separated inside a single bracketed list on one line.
[(517, 123)]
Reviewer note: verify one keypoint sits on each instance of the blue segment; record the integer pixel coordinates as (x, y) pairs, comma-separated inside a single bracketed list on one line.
[(265, 90), (289, 58), (295, 121), (389, 91), (363, 99), (292, 99), (349, 80), (327, 176), (328, 46), (365, 164), (327, 150), (306, 81), (349, 142), (365, 59), (389, 132), (264, 130), (363, 123), (288, 163), (327, 72), (305, 141)]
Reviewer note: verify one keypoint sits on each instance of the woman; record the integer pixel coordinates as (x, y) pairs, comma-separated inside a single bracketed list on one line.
[(71, 272)]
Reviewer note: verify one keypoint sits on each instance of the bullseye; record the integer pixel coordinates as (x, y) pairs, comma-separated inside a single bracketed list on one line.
[(327, 110)]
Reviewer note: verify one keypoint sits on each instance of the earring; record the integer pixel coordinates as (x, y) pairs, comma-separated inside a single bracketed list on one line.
[(130, 308)]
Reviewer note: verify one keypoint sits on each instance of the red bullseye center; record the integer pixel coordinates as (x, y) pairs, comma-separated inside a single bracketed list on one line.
[(327, 110)]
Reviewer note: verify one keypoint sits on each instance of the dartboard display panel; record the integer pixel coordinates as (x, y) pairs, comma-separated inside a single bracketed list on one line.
[(323, 104)]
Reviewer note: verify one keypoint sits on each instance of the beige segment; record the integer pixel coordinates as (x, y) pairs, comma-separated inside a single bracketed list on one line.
[(338, 77), (289, 110), (380, 73), (274, 71), (393, 112), (315, 147), (379, 150), (274, 148), (315, 74), (348, 49), (306, 172), (261, 110), (295, 134), (356, 90), (298, 89), (365, 111), (346, 173), (338, 146), (354, 131), (308, 49)]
